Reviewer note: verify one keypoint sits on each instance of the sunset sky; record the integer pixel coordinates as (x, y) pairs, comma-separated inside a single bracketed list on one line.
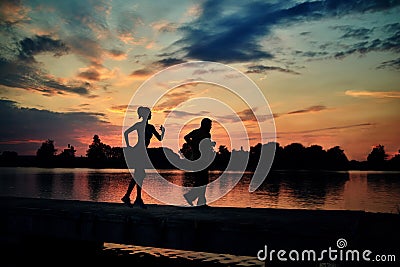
[(330, 70)]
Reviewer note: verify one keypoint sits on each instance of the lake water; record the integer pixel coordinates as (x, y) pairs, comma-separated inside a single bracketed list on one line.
[(371, 191), (354, 190)]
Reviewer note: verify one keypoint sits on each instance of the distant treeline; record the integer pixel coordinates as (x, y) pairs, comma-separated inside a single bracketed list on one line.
[(294, 156)]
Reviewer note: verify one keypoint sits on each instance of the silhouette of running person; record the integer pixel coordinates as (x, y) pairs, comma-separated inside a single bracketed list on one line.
[(201, 178), (138, 153)]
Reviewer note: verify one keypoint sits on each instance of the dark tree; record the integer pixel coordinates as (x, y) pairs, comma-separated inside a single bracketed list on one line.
[(117, 153), (294, 156), (108, 151), (395, 161), (97, 150), (158, 158), (255, 150), (315, 157), (9, 158), (224, 152), (47, 150), (9, 155), (336, 159), (222, 157), (254, 156), (278, 162), (376, 159)]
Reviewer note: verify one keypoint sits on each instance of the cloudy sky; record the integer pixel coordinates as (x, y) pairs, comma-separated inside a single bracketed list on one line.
[(329, 69)]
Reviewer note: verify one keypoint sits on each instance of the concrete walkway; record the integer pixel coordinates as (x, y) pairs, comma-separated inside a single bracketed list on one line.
[(237, 231)]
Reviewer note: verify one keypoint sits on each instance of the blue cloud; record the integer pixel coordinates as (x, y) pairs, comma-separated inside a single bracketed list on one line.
[(27, 74), (230, 31), (265, 69), (40, 44), (391, 64)]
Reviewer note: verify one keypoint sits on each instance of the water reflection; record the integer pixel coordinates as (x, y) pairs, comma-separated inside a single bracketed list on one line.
[(354, 190), (44, 184), (66, 184), (188, 179), (300, 189), (96, 183), (175, 176), (384, 188)]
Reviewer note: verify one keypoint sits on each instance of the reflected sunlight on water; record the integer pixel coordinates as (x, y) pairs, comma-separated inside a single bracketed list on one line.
[(353, 190)]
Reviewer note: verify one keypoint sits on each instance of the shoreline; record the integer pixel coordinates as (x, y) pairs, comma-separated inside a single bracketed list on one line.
[(212, 170)]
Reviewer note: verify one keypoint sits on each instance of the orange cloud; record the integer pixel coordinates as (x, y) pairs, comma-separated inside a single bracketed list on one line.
[(128, 38), (142, 73), (374, 94), (164, 26), (96, 73), (331, 128), (120, 109), (12, 12), (171, 100), (194, 11), (309, 109)]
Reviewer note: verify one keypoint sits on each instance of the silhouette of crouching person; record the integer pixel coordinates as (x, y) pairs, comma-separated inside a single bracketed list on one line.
[(195, 139)]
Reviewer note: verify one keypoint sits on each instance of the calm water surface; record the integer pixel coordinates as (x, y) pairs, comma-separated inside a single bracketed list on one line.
[(354, 190)]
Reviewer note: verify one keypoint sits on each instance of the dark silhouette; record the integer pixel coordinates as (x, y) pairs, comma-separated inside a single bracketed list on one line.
[(222, 158), (46, 150), (376, 159), (46, 154), (68, 153), (159, 160), (67, 157), (254, 156), (98, 151), (297, 157), (200, 177), (337, 159), (9, 158), (293, 156), (395, 161), (101, 155), (316, 155), (137, 155)]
